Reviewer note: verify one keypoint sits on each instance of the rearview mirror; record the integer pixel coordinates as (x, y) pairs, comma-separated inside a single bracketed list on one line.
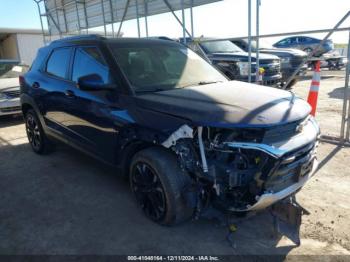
[(93, 82)]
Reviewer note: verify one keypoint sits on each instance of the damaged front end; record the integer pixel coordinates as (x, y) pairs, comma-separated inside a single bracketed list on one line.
[(245, 169)]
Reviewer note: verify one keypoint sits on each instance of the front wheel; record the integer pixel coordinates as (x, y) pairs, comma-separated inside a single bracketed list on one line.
[(308, 50), (158, 182)]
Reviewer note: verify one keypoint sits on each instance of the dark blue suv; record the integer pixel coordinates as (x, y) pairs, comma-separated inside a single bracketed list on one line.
[(186, 137)]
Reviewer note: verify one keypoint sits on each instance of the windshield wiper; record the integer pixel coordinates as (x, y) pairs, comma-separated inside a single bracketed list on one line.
[(202, 83), (153, 90), (208, 82)]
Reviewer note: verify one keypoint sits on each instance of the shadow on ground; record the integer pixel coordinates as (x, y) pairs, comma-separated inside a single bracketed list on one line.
[(338, 93), (6, 121), (68, 203)]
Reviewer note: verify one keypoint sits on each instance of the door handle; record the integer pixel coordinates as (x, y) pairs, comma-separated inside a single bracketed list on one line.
[(35, 85), (69, 93)]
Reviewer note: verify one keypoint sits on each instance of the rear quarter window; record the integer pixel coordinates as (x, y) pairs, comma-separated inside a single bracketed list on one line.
[(58, 62), (39, 60)]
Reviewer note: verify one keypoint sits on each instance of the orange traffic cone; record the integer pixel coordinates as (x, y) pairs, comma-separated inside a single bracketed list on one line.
[(315, 85)]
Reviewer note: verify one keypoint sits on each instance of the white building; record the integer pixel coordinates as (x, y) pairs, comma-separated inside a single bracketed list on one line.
[(20, 44)]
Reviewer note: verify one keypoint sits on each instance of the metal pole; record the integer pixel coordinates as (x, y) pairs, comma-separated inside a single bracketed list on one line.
[(123, 18), (192, 26), (346, 96), (249, 41), (345, 101), (104, 17), (137, 18), (58, 26), (78, 17), (257, 67), (112, 16), (177, 19), (146, 20), (47, 20), (64, 16), (183, 22), (41, 22), (86, 18)]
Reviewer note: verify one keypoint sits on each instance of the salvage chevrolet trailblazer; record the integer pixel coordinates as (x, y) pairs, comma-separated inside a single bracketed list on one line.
[(185, 136)]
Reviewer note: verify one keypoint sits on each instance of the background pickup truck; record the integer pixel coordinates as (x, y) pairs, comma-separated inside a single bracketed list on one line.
[(290, 58), (233, 61)]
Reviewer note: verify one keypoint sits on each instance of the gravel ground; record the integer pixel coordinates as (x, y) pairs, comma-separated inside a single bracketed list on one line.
[(68, 203)]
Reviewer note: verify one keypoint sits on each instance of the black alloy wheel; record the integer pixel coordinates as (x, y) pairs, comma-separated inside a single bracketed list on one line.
[(36, 135), (33, 132), (149, 191)]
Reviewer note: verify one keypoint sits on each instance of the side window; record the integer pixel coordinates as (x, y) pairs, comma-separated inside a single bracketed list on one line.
[(307, 40), (59, 62), (293, 40), (88, 60), (284, 41)]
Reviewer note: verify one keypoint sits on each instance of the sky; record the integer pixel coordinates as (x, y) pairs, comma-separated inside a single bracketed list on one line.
[(227, 18)]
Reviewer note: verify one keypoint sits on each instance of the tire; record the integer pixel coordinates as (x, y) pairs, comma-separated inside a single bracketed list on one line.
[(37, 138), (308, 50), (291, 84), (158, 183)]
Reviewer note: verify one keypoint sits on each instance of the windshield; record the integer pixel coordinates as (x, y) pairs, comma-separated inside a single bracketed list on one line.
[(220, 47), (11, 71), (151, 68)]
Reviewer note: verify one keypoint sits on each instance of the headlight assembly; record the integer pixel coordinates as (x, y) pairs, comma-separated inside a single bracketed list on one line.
[(285, 60), (243, 68)]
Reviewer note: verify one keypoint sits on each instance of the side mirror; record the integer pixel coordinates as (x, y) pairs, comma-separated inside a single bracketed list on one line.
[(93, 82)]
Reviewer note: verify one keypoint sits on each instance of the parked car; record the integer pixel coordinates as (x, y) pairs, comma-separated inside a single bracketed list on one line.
[(233, 61), (183, 133), (9, 87), (290, 58), (334, 61), (305, 43)]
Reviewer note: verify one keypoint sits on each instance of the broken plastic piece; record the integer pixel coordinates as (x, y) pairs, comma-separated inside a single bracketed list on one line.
[(183, 132), (287, 216)]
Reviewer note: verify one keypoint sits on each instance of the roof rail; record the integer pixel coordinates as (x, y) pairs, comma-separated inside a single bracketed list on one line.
[(80, 37)]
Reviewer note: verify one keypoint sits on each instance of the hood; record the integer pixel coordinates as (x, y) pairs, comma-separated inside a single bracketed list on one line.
[(229, 104), (240, 56), (281, 52), (9, 83)]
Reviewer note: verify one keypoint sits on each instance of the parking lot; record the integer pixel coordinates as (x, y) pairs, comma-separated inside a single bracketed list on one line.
[(68, 203)]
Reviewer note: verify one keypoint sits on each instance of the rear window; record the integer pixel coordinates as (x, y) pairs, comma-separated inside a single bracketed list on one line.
[(59, 62)]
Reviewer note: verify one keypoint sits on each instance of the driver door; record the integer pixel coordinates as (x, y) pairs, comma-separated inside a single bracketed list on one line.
[(87, 113)]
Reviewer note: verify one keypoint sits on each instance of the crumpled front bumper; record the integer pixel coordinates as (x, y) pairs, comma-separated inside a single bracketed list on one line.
[(296, 152), (268, 199)]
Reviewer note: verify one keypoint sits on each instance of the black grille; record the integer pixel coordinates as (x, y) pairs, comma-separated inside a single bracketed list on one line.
[(271, 67), (282, 132), (292, 167), (12, 93), (296, 61), (271, 71)]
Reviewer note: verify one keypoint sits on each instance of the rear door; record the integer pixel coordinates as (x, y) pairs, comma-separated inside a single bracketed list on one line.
[(52, 87)]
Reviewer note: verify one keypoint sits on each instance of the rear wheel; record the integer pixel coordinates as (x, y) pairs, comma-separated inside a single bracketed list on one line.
[(158, 182), (308, 50), (35, 133)]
